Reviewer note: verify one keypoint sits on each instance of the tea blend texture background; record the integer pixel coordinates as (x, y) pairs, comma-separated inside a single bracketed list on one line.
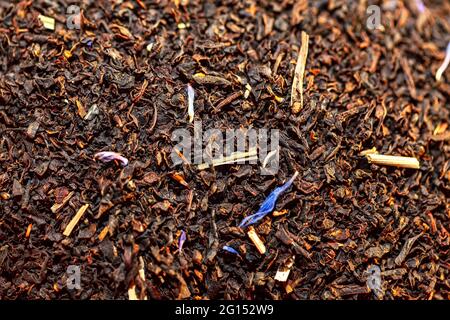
[(119, 84)]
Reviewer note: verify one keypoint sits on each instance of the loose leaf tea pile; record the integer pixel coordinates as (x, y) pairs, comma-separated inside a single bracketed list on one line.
[(87, 178)]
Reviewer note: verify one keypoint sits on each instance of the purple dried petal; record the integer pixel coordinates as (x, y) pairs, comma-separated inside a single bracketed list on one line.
[(390, 5), (444, 64), (230, 249), (420, 6), (268, 205), (107, 156), (181, 240), (190, 92)]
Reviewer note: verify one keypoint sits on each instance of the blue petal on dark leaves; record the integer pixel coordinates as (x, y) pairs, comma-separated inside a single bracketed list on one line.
[(268, 205), (230, 249)]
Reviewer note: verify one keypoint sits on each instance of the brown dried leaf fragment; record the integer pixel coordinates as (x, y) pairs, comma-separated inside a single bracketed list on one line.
[(184, 290), (227, 101), (57, 206), (406, 249), (378, 251), (17, 189), (347, 290), (298, 9), (33, 129), (202, 78), (122, 30), (409, 77), (81, 110)]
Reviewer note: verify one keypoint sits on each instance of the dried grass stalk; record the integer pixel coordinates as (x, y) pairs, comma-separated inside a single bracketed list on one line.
[(132, 293), (234, 157), (57, 206), (75, 220), (284, 270), (297, 84), (395, 161), (256, 240), (48, 22)]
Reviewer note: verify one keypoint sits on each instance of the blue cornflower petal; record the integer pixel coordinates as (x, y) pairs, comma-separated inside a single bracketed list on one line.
[(268, 205), (230, 249)]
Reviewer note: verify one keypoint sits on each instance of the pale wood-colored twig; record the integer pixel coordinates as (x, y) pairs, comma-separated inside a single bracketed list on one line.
[(75, 220), (297, 83), (284, 270), (57, 206), (48, 22), (103, 233), (395, 161), (368, 151), (256, 240), (234, 157), (132, 293)]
